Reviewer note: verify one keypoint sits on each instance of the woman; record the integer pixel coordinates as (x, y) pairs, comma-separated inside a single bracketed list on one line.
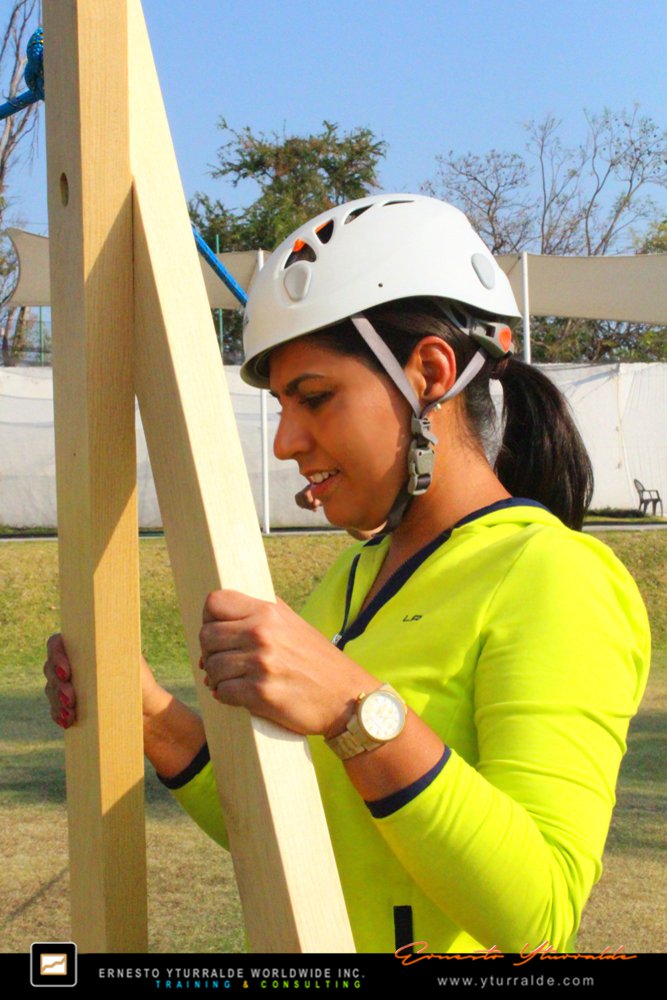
[(474, 666)]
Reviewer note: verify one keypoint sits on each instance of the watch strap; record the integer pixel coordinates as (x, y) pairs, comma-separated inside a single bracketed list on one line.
[(354, 739), (348, 745)]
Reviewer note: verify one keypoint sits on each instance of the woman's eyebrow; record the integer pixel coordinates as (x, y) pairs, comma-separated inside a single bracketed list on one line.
[(294, 384)]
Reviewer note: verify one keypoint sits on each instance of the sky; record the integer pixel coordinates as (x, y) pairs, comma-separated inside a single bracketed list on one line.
[(426, 77)]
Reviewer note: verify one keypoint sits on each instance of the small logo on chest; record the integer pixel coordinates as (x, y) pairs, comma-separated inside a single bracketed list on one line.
[(412, 618)]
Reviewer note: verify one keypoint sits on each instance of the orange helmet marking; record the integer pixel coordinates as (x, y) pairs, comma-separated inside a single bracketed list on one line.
[(505, 338)]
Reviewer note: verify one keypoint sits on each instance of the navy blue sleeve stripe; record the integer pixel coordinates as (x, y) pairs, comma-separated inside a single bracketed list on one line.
[(392, 803), (197, 764)]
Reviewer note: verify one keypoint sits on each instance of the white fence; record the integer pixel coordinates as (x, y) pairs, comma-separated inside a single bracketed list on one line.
[(621, 411)]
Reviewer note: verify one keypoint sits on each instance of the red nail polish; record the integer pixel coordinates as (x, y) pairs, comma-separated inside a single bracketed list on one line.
[(64, 700), (201, 662), (60, 674)]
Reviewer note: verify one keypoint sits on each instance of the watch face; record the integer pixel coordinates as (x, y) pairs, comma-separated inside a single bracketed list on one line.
[(382, 715)]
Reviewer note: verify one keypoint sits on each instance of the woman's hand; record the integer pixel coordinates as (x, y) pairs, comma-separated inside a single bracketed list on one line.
[(59, 689), (62, 695), (173, 733), (304, 499), (266, 658)]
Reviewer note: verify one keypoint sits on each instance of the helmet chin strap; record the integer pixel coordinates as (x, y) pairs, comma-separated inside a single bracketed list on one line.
[(421, 453)]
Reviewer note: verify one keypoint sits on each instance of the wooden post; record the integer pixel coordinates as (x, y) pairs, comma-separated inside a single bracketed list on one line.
[(287, 878), (289, 886), (90, 221)]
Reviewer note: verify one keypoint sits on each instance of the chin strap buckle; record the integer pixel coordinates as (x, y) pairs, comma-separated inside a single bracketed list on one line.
[(421, 456)]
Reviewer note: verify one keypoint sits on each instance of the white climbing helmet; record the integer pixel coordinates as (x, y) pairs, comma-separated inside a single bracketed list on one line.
[(362, 254)]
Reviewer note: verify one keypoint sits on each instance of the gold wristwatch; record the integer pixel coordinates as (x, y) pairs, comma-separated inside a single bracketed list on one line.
[(378, 718)]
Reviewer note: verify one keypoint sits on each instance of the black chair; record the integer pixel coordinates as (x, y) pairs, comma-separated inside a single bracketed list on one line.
[(647, 497)]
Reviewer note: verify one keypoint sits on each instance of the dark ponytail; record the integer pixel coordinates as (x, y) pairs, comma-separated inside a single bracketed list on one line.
[(541, 455)]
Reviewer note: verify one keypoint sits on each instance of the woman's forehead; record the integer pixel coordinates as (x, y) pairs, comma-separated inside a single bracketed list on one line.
[(305, 355)]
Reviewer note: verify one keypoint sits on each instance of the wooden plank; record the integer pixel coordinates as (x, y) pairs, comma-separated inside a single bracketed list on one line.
[(284, 863), (90, 221)]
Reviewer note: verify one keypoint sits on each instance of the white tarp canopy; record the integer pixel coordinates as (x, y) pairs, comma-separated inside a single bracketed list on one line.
[(621, 411), (633, 289), (33, 288)]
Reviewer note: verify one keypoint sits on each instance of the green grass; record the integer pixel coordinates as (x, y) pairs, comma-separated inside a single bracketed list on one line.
[(7, 531), (636, 520), (645, 555), (634, 516), (193, 904)]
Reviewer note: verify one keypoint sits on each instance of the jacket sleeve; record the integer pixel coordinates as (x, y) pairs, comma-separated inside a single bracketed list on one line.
[(510, 848), (196, 793)]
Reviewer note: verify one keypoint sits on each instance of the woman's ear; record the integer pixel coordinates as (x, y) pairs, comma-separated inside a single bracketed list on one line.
[(431, 369)]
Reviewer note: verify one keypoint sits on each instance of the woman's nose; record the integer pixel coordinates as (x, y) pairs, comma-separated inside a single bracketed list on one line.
[(292, 438)]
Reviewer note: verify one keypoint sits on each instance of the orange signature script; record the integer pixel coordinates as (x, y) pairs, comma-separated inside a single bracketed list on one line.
[(416, 951)]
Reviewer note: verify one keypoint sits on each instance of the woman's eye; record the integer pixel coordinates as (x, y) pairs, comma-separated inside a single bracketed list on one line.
[(312, 402)]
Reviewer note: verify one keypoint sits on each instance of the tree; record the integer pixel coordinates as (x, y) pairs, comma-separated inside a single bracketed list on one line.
[(644, 343), (656, 238), (16, 133), (297, 177), (590, 199)]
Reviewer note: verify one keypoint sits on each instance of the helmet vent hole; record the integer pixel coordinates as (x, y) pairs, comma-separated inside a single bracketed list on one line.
[(355, 213), (301, 251), (402, 201), (459, 316), (325, 231)]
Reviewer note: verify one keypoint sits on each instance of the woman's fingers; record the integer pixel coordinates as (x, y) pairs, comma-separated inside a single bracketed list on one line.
[(304, 499), (237, 640), (62, 703), (263, 656), (220, 637), (59, 689), (57, 660), (232, 606), (221, 667), (238, 631), (62, 695)]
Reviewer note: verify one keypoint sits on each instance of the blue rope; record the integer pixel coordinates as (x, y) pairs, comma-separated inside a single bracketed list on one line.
[(34, 71), (34, 77), (219, 269)]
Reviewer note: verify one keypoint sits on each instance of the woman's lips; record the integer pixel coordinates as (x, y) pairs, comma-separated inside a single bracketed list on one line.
[(320, 490)]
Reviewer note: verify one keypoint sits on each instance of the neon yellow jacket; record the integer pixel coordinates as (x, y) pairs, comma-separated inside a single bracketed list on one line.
[(526, 647)]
